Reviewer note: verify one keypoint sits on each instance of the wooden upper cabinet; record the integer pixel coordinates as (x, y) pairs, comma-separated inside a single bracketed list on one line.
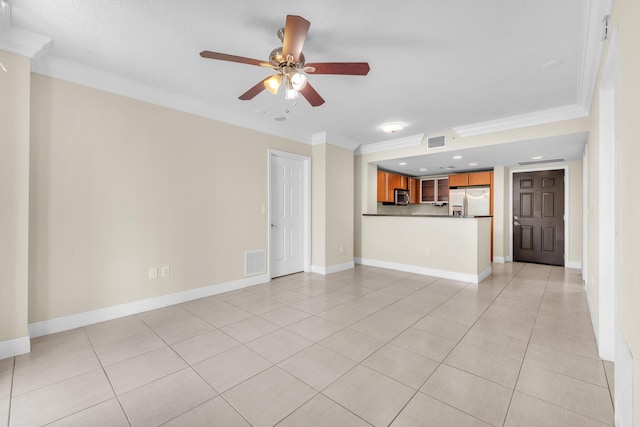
[(459, 180), (384, 186), (414, 190), (480, 178), (400, 181), (468, 179), (388, 182)]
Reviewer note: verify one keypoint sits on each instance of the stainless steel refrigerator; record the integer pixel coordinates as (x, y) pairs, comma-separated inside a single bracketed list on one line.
[(472, 201)]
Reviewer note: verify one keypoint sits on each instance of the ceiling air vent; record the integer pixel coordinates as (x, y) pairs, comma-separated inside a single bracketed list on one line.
[(537, 162), (436, 142)]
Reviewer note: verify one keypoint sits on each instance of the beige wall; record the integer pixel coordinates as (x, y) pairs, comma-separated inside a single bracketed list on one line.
[(318, 211), (332, 205), (339, 206), (625, 17), (14, 195), (119, 186)]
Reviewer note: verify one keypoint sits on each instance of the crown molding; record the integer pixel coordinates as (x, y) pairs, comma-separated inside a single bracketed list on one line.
[(595, 13), (408, 141), (23, 42), (542, 117), (73, 72), (321, 138)]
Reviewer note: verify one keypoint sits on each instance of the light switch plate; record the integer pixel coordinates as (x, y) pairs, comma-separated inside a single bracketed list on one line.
[(153, 273)]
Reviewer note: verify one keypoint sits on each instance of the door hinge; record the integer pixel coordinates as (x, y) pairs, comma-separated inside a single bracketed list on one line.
[(605, 28)]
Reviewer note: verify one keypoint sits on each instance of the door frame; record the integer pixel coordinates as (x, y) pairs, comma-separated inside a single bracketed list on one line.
[(306, 201), (566, 208)]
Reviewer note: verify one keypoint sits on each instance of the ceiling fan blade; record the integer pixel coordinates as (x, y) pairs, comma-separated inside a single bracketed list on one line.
[(251, 93), (233, 58), (295, 32), (311, 95), (348, 68)]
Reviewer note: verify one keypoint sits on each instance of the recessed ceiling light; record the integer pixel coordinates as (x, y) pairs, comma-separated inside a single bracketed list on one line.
[(259, 111), (457, 157), (473, 164), (393, 127), (536, 158), (423, 169), (403, 163)]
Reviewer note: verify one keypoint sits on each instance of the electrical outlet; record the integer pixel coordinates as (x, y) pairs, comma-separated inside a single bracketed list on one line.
[(427, 251), (165, 271), (341, 248), (153, 273)]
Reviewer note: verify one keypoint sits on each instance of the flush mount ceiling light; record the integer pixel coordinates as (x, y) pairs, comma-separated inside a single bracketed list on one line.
[(457, 157), (393, 127), (423, 169), (473, 164), (536, 158), (402, 164)]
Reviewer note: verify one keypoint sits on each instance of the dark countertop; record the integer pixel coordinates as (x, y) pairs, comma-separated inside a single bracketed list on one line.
[(431, 216)]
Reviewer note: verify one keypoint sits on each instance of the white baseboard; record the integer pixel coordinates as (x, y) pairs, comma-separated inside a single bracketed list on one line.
[(444, 274), (14, 347), (623, 383), (499, 259), (574, 264), (90, 317), (594, 322), (332, 268)]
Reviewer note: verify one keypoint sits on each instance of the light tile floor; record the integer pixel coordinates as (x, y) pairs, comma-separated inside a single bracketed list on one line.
[(361, 347)]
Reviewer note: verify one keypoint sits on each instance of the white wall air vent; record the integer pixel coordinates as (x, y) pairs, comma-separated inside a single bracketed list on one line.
[(436, 141), (255, 262)]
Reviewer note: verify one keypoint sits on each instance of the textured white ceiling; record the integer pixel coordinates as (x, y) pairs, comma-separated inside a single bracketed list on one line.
[(434, 64)]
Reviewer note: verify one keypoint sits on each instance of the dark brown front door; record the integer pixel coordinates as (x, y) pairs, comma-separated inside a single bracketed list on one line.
[(538, 217)]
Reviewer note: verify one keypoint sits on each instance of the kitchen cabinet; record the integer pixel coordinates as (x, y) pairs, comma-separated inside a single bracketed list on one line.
[(399, 181), (469, 179), (389, 181), (385, 188), (414, 190), (434, 190)]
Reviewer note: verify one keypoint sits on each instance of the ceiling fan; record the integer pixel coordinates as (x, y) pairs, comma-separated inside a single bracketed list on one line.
[(289, 64)]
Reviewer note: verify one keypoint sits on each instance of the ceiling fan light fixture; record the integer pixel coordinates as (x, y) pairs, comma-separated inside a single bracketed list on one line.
[(291, 92), (298, 81), (272, 84)]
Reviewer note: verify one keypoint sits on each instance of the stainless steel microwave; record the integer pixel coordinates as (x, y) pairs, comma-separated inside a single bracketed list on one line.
[(401, 197)]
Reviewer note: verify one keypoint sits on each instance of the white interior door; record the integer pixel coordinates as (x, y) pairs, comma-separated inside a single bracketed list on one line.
[(288, 215)]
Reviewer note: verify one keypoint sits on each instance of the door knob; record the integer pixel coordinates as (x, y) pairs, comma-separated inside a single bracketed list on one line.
[(516, 223), (515, 217)]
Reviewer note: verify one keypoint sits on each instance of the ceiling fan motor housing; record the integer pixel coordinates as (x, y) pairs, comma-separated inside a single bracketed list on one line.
[(277, 59)]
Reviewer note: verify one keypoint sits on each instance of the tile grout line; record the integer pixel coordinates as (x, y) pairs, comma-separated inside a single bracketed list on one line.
[(107, 377), (557, 373), (13, 372), (447, 355)]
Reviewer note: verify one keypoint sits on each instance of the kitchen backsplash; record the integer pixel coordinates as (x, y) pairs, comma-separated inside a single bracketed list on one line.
[(417, 209)]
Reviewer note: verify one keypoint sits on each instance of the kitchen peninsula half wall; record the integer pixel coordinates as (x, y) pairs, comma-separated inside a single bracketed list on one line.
[(457, 248)]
